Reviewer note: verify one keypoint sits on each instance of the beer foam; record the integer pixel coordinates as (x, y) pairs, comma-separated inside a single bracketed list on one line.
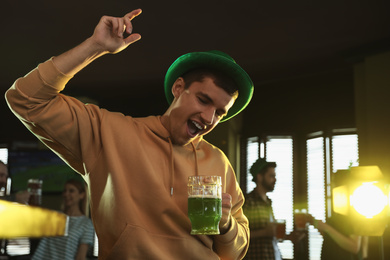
[(204, 196)]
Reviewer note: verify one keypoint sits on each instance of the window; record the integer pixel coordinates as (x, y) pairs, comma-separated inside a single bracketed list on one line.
[(326, 154), (277, 149), (315, 192), (252, 151), (344, 151), (280, 150), (95, 252), (19, 246), (4, 155)]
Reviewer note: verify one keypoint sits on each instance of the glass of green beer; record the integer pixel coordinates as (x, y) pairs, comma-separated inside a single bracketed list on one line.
[(204, 204)]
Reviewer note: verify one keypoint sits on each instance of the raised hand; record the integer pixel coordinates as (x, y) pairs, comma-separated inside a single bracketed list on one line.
[(110, 32), (108, 37)]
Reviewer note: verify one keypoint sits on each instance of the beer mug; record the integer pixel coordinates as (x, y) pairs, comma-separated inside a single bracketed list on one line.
[(280, 229), (301, 219), (204, 204), (34, 187)]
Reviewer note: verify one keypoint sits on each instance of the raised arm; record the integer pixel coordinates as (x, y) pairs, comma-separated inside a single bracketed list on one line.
[(351, 243), (111, 35), (63, 123)]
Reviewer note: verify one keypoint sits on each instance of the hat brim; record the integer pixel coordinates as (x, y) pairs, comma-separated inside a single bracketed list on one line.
[(214, 61)]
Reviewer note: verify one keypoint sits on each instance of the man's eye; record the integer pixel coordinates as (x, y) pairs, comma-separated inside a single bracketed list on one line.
[(203, 101)]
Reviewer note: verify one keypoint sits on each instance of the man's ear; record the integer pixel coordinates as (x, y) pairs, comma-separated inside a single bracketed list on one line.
[(178, 87), (259, 177)]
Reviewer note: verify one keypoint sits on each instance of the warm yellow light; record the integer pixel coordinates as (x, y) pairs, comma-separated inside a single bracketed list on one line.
[(368, 199), (340, 200)]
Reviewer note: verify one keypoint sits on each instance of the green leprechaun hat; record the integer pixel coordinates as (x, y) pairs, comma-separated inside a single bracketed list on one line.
[(215, 60)]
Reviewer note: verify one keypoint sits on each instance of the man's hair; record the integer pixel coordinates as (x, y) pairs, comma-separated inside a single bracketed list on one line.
[(261, 166), (3, 163), (220, 79), (265, 169), (80, 186)]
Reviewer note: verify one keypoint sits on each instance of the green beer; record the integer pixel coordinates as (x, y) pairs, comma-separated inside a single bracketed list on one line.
[(205, 214)]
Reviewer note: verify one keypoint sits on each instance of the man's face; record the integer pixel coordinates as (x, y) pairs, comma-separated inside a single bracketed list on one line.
[(3, 173), (269, 179), (195, 110)]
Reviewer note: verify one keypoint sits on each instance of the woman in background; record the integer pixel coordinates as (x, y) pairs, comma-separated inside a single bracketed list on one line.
[(80, 230), (339, 240)]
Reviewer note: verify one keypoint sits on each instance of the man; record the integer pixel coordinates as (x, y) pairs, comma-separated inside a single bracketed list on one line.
[(3, 193), (3, 178), (137, 168), (258, 209), (20, 197)]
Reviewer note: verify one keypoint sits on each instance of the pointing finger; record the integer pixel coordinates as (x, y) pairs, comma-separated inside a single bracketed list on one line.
[(133, 14), (128, 17)]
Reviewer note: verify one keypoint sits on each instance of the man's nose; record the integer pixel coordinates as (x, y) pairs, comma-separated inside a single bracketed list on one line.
[(208, 116)]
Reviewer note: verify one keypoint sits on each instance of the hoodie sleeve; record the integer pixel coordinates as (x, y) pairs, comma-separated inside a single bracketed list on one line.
[(56, 119), (235, 242)]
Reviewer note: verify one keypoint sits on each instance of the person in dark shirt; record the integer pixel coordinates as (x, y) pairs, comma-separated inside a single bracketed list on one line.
[(339, 240), (258, 209)]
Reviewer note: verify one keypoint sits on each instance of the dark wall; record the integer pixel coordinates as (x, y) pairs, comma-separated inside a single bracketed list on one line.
[(117, 99), (298, 105), (302, 104)]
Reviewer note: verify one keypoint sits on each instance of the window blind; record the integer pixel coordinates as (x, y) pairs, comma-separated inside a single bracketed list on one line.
[(4, 155), (280, 150), (316, 192), (252, 151)]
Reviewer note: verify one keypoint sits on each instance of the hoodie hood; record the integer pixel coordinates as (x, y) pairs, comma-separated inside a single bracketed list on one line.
[(155, 125)]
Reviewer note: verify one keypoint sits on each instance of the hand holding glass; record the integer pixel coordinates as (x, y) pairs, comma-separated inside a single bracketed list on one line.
[(280, 229), (301, 219)]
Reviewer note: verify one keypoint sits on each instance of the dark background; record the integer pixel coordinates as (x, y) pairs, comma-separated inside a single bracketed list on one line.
[(299, 53)]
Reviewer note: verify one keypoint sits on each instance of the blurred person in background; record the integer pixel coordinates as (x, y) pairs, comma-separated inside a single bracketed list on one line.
[(80, 230), (340, 242), (258, 209), (20, 197), (3, 173), (3, 178)]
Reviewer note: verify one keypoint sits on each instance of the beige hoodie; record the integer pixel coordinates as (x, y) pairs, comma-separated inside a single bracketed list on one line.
[(137, 179)]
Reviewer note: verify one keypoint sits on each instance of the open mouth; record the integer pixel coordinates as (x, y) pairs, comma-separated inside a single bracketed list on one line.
[(194, 128)]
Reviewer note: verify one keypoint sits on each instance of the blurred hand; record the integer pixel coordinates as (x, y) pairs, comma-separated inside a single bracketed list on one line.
[(109, 33), (321, 226), (22, 197), (270, 230), (296, 236), (310, 219)]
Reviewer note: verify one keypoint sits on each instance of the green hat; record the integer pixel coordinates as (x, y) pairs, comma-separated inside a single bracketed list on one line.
[(259, 165), (213, 60)]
